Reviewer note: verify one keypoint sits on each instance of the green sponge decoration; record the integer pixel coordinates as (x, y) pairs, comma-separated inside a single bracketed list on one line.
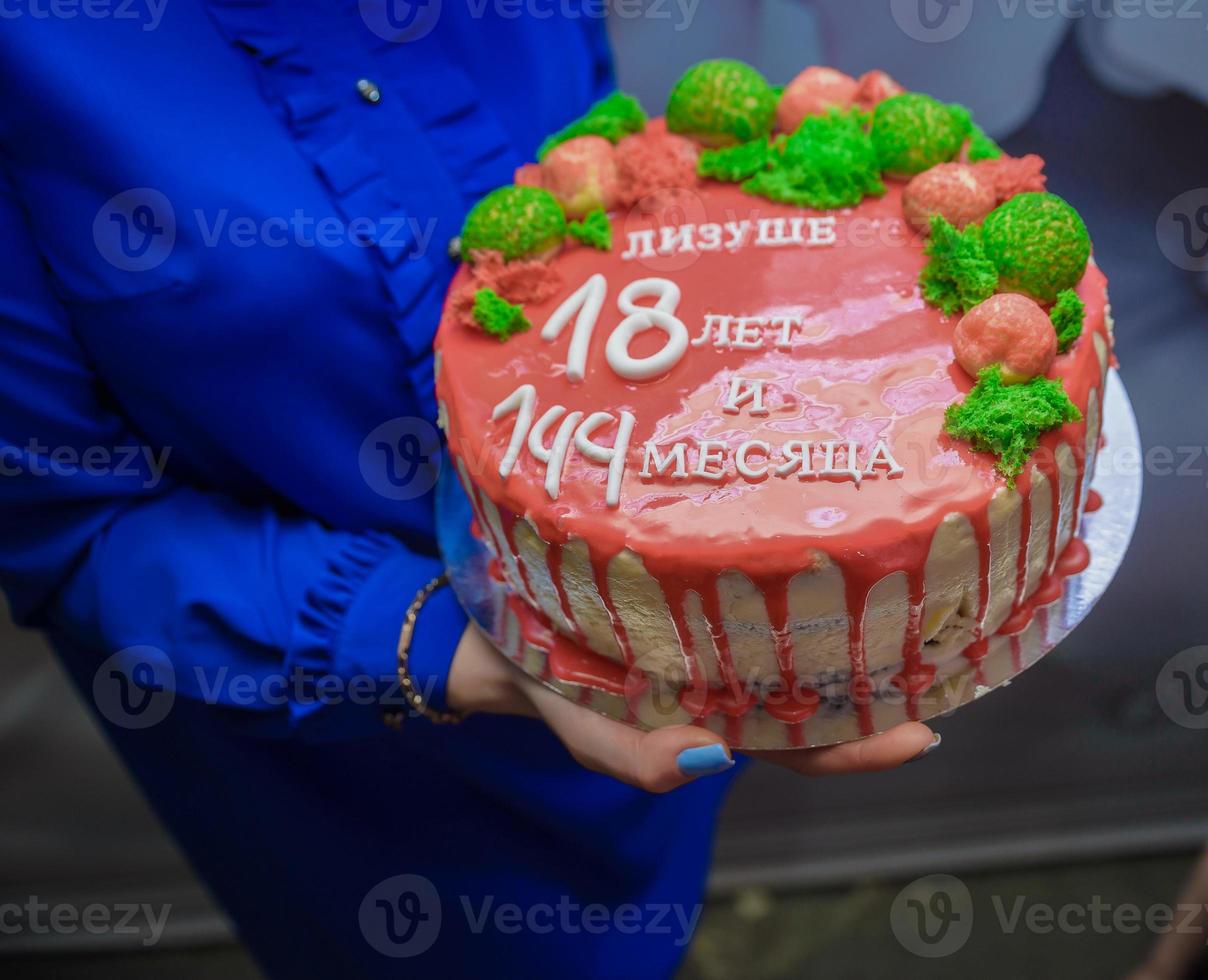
[(497, 316), (829, 162), (981, 147), (958, 274), (735, 163), (913, 132), (1038, 243), (721, 102), (614, 118), (517, 222), (1008, 420), (595, 230), (1068, 316)]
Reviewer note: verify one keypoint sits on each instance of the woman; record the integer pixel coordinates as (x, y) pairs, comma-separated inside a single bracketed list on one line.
[(225, 229)]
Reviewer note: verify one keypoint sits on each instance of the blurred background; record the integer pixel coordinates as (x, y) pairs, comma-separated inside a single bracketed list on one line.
[(1076, 789)]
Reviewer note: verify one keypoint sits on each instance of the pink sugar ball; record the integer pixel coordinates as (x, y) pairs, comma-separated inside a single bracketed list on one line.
[(1010, 330), (582, 174), (813, 92), (951, 190), (875, 87)]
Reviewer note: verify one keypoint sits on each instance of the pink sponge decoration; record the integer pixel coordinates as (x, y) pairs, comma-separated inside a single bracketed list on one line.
[(521, 281), (813, 92), (951, 190), (655, 160), (1012, 175), (529, 175), (582, 174), (875, 87), (1010, 330)]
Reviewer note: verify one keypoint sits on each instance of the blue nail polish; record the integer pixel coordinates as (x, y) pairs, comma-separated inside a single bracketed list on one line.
[(928, 749), (704, 760)]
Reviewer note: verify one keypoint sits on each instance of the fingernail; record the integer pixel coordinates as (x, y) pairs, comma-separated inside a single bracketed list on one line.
[(704, 760), (936, 739)]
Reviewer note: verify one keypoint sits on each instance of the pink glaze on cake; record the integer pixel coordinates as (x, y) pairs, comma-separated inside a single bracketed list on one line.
[(869, 356)]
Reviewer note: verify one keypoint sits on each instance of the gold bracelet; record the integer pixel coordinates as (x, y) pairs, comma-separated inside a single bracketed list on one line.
[(411, 693)]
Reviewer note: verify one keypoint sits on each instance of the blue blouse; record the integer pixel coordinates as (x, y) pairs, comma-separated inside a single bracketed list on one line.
[(223, 231)]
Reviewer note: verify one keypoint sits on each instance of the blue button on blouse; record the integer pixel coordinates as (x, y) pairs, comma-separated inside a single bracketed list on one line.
[(221, 268)]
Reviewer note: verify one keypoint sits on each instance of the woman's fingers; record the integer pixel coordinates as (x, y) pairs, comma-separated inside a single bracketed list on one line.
[(874, 754), (482, 679), (655, 761)]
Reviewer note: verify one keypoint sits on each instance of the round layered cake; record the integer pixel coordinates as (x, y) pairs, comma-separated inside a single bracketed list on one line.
[(763, 421)]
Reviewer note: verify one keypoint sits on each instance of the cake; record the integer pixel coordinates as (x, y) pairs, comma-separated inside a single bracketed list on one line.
[(784, 403)]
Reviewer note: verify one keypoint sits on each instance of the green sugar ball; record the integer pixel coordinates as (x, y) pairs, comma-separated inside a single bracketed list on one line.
[(517, 222), (721, 102), (1039, 245), (914, 132)]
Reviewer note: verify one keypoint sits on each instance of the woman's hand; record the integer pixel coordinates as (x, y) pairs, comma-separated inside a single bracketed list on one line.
[(481, 679)]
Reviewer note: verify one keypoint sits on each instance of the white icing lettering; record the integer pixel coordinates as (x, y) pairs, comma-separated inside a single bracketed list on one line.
[(748, 332), (642, 318), (641, 245), (712, 453), (785, 325), (709, 237), (797, 460), (523, 402), (822, 231), (744, 391), (613, 456), (554, 458), (774, 233), (830, 466), (737, 231), (672, 240), (584, 304), (743, 465), (704, 334), (654, 462), (881, 456)]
